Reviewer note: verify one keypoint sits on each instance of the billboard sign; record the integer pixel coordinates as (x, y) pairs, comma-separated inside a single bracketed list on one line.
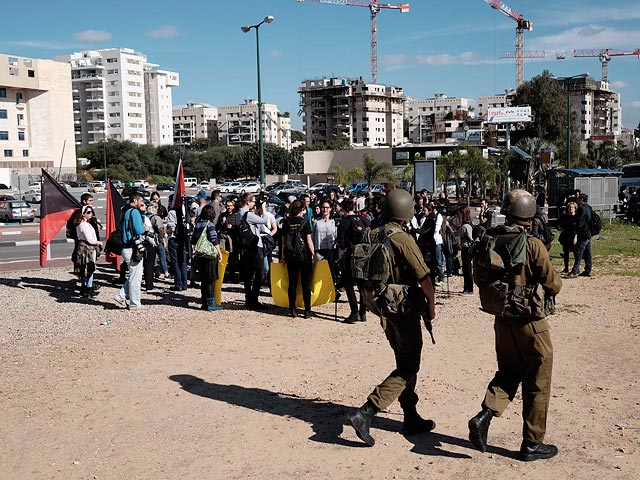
[(509, 115), (424, 175)]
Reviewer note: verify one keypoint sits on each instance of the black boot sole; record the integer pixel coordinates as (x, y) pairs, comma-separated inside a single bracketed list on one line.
[(362, 435), (530, 457)]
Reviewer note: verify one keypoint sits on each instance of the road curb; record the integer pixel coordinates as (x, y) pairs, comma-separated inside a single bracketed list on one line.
[(33, 242)]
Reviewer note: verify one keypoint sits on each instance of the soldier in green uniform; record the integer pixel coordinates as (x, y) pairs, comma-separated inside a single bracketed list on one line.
[(523, 343), (404, 333)]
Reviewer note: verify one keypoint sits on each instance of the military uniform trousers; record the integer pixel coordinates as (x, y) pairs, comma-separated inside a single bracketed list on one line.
[(525, 355), (405, 337)]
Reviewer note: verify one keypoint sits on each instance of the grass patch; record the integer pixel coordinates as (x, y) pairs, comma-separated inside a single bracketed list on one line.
[(616, 251)]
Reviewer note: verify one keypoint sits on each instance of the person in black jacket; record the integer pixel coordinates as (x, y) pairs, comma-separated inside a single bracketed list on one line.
[(208, 267), (583, 233)]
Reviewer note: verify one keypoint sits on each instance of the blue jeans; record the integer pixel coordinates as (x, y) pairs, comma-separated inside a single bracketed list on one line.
[(178, 255), (583, 250), (162, 257), (441, 261)]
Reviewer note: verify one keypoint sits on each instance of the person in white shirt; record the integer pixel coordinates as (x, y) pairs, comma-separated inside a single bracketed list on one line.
[(88, 248), (325, 234), (437, 237), (267, 232)]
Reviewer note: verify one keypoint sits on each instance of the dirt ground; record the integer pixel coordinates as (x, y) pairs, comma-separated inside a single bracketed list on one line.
[(173, 392)]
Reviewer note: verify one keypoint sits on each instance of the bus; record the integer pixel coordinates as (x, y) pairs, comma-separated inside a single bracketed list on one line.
[(630, 176)]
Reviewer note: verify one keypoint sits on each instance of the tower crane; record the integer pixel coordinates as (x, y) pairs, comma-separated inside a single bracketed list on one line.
[(521, 26), (604, 55), (374, 8)]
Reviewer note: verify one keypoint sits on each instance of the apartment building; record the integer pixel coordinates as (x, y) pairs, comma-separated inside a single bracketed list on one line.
[(193, 121), (118, 95), (36, 116), (426, 117), (596, 109), (238, 124), (351, 110)]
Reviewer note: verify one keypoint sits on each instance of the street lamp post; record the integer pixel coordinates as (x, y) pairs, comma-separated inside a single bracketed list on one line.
[(267, 19)]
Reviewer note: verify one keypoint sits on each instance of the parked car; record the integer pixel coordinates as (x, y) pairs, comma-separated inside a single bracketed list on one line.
[(13, 210), (140, 183), (165, 186), (291, 189), (248, 187), (34, 186), (4, 187), (230, 187), (117, 183), (380, 188), (204, 185), (32, 196), (318, 186), (96, 187), (359, 187), (190, 182), (4, 197), (127, 191), (274, 186), (84, 184)]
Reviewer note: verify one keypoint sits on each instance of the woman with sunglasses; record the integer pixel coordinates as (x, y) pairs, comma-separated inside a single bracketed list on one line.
[(88, 249)]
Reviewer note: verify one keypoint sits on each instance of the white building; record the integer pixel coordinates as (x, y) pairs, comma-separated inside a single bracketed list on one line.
[(36, 116), (423, 115), (352, 110), (238, 124), (195, 120), (118, 95)]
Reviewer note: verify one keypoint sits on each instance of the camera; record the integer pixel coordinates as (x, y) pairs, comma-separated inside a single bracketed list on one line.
[(139, 244)]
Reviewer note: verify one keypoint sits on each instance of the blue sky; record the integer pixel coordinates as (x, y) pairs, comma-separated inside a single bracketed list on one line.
[(448, 47)]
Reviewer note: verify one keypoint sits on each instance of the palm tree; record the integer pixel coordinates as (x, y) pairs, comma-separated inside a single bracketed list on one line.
[(374, 170)]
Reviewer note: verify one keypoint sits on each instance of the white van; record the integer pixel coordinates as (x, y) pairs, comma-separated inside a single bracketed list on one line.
[(190, 182)]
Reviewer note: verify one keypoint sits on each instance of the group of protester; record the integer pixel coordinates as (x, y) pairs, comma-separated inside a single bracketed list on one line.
[(629, 204)]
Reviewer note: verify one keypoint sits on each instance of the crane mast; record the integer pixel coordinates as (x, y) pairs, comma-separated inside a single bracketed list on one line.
[(521, 25), (604, 55), (374, 8)]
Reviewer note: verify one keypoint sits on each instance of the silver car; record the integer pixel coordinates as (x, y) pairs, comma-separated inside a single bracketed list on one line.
[(13, 210)]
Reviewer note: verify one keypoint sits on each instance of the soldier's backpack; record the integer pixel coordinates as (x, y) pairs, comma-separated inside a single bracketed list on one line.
[(544, 233), (595, 224), (499, 258), (356, 230), (372, 263), (294, 243), (248, 239)]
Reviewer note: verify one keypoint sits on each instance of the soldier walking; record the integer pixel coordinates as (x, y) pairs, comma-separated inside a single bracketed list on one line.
[(404, 332), (523, 343)]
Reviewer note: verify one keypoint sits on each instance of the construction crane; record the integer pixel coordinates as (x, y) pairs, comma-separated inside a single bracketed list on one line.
[(374, 8), (604, 55), (521, 26)]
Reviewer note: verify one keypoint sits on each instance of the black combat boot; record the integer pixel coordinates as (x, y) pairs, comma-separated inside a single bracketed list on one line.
[(530, 451), (414, 423), (479, 429), (361, 421), (352, 318)]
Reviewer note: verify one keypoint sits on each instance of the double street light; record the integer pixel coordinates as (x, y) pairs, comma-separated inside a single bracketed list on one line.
[(267, 19), (568, 79)]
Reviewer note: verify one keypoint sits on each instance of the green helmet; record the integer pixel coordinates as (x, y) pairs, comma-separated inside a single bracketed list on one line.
[(519, 205), (398, 205)]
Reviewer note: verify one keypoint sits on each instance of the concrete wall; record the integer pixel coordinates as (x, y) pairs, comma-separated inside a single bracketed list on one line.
[(326, 161)]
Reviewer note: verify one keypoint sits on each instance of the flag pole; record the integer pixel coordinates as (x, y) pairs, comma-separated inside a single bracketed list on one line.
[(61, 157)]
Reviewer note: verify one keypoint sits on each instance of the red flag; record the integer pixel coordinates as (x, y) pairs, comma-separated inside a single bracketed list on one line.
[(115, 202), (178, 192), (56, 206)]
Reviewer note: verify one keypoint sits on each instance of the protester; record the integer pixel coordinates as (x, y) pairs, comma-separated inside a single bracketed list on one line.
[(325, 235), (251, 256), (178, 245), (207, 267), (87, 251)]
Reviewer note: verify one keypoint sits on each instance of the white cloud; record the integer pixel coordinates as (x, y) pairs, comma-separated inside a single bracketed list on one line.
[(92, 36), (393, 60), (575, 14), (464, 58), (165, 31), (275, 54), (635, 104), (38, 44), (619, 84), (587, 37)]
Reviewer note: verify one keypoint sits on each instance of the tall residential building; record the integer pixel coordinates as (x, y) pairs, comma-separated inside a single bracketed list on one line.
[(36, 117), (423, 116), (596, 109), (351, 110), (238, 124), (194, 121), (118, 95)]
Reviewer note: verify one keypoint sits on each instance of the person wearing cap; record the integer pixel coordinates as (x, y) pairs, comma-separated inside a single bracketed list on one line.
[(404, 332), (201, 198), (522, 341)]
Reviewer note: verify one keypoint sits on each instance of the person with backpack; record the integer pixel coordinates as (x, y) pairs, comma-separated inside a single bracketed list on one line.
[(298, 253), (466, 248), (540, 228), (568, 238), (251, 250), (351, 231), (583, 232), (400, 314), (514, 275), (206, 263)]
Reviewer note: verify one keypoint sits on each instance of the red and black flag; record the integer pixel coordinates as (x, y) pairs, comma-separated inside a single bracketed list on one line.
[(115, 202), (56, 206)]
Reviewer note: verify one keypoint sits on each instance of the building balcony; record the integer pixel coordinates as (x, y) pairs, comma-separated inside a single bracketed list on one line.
[(95, 120), (87, 77), (96, 130), (95, 99), (88, 66), (94, 88), (95, 110)]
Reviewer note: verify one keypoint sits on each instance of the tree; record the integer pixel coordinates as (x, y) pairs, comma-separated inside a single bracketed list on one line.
[(478, 169), (373, 170), (345, 177), (297, 136)]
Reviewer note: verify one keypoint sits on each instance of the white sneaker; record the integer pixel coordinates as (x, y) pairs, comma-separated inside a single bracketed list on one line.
[(120, 301)]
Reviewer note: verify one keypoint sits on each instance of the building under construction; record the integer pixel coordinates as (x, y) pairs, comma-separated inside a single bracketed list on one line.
[(342, 109)]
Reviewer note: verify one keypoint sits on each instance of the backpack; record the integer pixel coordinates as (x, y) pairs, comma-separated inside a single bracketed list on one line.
[(595, 223), (294, 245), (71, 225), (372, 263), (356, 230), (449, 243), (545, 235), (248, 239), (499, 258), (114, 243)]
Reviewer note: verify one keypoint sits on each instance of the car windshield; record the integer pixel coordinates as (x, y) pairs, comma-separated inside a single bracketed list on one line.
[(19, 205)]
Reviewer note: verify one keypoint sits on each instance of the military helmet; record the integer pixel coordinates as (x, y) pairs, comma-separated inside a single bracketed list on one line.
[(398, 205), (519, 205)]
